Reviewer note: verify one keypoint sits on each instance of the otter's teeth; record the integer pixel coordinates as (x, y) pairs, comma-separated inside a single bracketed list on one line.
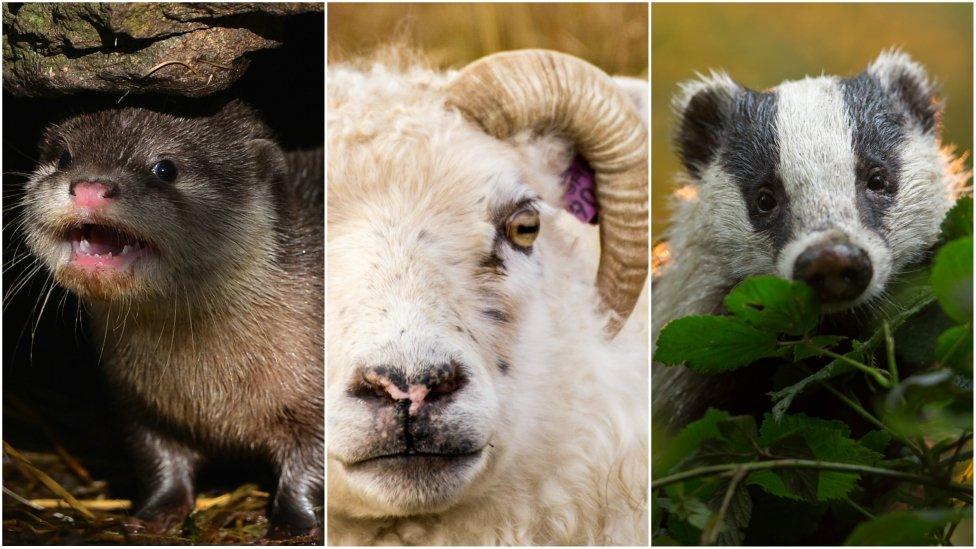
[(126, 249), (85, 247)]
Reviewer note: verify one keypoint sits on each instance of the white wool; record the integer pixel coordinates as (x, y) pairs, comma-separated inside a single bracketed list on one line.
[(566, 422)]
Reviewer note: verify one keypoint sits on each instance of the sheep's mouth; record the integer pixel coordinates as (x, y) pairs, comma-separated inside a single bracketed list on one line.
[(409, 456), (428, 463), (99, 247)]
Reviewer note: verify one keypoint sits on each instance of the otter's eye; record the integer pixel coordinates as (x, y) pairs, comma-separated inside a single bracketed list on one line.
[(522, 227), (165, 170), (765, 201), (877, 181), (64, 161)]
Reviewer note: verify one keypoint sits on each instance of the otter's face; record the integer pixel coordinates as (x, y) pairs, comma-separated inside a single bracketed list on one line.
[(136, 205), (838, 182), (431, 270)]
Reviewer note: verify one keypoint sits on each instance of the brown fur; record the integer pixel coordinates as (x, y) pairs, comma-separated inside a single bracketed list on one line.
[(216, 350)]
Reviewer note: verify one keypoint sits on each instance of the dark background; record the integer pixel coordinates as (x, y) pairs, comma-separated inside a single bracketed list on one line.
[(52, 390)]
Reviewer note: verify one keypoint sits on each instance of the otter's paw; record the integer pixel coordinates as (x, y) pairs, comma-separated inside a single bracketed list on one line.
[(285, 534), (157, 520)]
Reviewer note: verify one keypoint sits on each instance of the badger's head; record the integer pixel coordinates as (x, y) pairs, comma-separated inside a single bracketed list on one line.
[(439, 241), (838, 182)]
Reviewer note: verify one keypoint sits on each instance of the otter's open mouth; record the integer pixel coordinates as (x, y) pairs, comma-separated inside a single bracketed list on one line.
[(99, 246)]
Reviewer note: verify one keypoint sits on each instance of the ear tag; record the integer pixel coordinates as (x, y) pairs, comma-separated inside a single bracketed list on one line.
[(579, 191)]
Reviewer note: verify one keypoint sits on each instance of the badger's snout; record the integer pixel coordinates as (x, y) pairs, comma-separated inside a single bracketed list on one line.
[(838, 270)]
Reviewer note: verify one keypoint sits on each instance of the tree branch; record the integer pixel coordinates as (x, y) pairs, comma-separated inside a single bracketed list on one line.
[(964, 493), (710, 535)]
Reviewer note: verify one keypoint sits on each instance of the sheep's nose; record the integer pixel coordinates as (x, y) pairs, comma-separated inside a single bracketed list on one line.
[(838, 271), (431, 383), (92, 194)]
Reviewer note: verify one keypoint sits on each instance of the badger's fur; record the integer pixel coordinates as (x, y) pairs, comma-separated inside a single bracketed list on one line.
[(854, 159), (420, 272)]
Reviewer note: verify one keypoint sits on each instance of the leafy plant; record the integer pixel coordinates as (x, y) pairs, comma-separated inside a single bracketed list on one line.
[(901, 475)]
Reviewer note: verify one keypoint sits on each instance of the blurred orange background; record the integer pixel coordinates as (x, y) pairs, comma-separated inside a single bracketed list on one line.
[(760, 45), (612, 36)]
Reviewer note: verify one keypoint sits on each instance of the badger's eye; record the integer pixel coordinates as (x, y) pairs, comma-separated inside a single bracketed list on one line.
[(765, 202), (522, 227), (877, 181), (64, 161), (165, 170)]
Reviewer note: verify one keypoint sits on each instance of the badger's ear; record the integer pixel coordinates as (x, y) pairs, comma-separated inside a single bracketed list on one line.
[(909, 84), (702, 107), (638, 92)]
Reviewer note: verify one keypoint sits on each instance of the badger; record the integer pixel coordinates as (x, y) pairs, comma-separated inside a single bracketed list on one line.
[(839, 182)]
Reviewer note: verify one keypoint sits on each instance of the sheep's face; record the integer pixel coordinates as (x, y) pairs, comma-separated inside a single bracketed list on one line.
[(433, 257)]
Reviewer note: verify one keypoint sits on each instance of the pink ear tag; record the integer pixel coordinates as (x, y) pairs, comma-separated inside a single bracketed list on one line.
[(579, 194)]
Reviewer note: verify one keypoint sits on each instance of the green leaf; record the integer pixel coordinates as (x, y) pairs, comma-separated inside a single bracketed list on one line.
[(815, 346), (904, 527), (954, 349), (784, 397), (775, 305), (740, 431), (687, 515), (735, 442), (826, 441), (876, 441), (783, 522), (715, 452), (712, 344), (952, 279), (959, 221), (802, 484), (688, 440), (737, 515)]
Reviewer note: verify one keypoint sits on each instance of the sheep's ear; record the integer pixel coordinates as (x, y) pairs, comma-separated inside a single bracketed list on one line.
[(908, 83), (702, 107), (638, 92)]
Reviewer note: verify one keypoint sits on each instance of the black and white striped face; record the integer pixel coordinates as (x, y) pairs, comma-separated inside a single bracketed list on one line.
[(835, 181)]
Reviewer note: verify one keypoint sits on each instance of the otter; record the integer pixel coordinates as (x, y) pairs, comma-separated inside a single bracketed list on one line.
[(195, 245)]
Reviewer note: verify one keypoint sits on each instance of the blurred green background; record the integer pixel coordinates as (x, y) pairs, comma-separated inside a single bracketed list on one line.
[(760, 45), (611, 36)]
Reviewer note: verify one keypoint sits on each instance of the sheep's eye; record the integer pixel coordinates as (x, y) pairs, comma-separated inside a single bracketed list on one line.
[(165, 170), (64, 161), (522, 227), (765, 201), (877, 181)]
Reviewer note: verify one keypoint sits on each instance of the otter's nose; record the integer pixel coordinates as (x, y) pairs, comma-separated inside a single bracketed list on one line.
[(838, 271), (92, 194), (390, 385)]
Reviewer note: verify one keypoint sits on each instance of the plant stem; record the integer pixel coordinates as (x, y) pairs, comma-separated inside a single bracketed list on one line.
[(875, 421), (710, 535), (963, 493), (860, 509), (856, 407), (890, 351), (873, 372)]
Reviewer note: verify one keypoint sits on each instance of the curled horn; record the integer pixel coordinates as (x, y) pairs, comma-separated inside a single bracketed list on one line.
[(547, 91)]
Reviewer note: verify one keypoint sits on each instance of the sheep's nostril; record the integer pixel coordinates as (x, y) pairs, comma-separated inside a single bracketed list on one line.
[(390, 386), (379, 382), (838, 271)]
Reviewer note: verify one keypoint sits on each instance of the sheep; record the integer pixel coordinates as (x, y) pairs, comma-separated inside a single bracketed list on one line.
[(839, 182), (481, 388)]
